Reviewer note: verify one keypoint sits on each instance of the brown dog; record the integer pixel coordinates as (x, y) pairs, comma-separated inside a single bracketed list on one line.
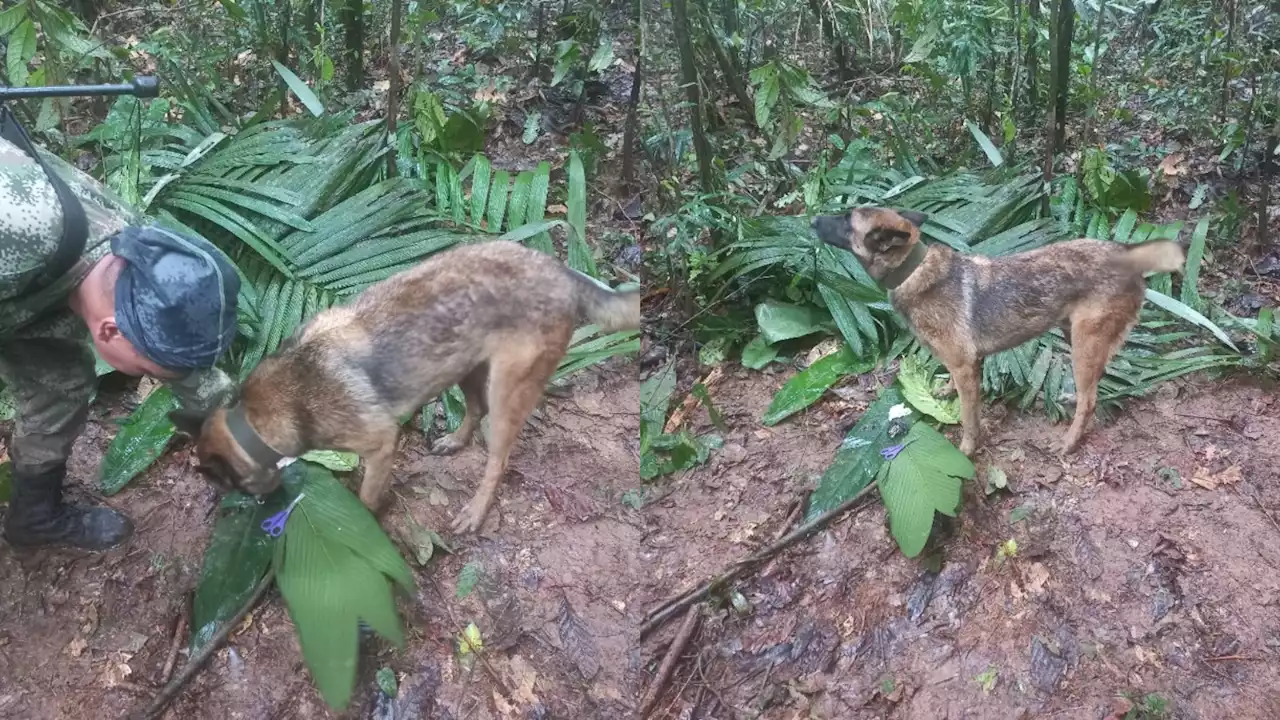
[(494, 318), (966, 307)]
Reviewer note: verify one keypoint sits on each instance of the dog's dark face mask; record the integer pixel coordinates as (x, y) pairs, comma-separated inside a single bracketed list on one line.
[(879, 237), (218, 459)]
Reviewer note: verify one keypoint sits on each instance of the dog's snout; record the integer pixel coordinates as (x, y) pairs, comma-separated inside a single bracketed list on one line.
[(831, 229)]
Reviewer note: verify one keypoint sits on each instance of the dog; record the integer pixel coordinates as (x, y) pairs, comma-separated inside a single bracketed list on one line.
[(494, 318), (966, 307)]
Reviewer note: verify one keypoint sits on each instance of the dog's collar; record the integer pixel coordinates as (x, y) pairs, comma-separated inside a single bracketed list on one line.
[(251, 442), (899, 275)]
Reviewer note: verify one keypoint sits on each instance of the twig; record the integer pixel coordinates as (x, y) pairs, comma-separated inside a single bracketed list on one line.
[(193, 665), (670, 661), (179, 633), (691, 401), (673, 605), (1258, 501), (1220, 658)]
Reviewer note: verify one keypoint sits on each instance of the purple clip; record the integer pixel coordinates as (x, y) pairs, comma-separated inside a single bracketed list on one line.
[(892, 451), (274, 525)]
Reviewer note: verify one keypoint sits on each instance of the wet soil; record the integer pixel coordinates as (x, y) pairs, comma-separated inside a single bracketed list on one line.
[(1145, 572), (87, 635)]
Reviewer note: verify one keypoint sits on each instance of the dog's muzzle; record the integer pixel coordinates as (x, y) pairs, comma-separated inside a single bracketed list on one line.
[(832, 229)]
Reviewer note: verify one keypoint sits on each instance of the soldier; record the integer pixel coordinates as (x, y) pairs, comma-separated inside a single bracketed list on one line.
[(77, 265)]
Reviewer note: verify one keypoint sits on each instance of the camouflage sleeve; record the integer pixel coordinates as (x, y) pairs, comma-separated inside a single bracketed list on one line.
[(203, 390)]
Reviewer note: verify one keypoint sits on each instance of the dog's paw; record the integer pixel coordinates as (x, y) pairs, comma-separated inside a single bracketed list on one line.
[(448, 445), (470, 519), (968, 446)]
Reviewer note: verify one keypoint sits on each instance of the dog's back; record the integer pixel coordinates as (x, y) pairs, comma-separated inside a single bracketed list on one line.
[(422, 330), (1008, 300)]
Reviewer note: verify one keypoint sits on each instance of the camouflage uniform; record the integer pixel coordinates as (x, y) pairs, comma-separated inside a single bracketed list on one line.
[(45, 354)]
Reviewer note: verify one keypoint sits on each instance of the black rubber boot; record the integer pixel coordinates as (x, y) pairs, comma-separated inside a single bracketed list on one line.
[(37, 515)]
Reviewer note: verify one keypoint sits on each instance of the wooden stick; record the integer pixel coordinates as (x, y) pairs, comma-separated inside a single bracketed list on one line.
[(691, 402), (738, 568), (193, 666), (670, 660), (179, 634)]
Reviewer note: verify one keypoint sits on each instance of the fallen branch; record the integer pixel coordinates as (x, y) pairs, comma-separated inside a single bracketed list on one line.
[(669, 661), (673, 605), (179, 634), (193, 666)]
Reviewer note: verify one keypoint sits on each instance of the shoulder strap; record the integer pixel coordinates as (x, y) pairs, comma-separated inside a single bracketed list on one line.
[(75, 228)]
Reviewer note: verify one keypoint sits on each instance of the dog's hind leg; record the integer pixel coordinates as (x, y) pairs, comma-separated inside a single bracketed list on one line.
[(473, 390), (1098, 329), (518, 375)]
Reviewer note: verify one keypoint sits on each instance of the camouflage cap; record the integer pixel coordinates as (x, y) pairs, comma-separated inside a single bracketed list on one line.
[(175, 298)]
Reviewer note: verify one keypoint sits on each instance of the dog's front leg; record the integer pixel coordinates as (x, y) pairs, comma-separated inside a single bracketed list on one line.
[(378, 461), (967, 377)]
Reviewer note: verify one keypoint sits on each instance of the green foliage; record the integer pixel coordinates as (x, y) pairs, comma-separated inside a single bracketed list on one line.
[(858, 460), (924, 478), (805, 387), (142, 438), (235, 560), (919, 388), (335, 568)]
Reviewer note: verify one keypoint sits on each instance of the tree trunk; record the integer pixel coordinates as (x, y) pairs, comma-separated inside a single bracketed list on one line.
[(633, 106), (1090, 122), (833, 37), (393, 86), (1266, 176), (689, 76), (540, 21), (353, 32), (731, 75), (282, 55), (1066, 16), (1033, 61), (1226, 61)]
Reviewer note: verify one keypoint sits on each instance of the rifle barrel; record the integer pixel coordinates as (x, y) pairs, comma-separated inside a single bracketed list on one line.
[(142, 86)]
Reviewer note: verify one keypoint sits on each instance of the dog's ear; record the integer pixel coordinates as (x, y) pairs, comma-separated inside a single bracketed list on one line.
[(187, 422), (883, 239), (914, 217)]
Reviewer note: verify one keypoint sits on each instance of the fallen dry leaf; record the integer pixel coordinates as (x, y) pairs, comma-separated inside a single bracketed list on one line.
[(1173, 164), (1211, 481), (1037, 576), (77, 646), (557, 209)]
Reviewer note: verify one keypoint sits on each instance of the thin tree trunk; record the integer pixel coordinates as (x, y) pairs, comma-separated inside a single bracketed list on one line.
[(689, 76), (1266, 176), (727, 68), (282, 55), (1062, 69), (311, 18), (731, 26), (540, 21), (393, 86), (633, 107), (1033, 61), (353, 40), (1226, 63), (1090, 121), (832, 36)]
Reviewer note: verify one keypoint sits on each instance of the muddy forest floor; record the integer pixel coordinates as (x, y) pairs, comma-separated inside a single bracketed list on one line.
[(1128, 578), (87, 635)]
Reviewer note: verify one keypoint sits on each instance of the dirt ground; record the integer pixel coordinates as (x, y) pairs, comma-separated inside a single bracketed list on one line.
[(87, 635), (1131, 576)]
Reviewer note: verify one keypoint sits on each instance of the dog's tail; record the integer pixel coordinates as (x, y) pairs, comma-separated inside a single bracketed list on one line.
[(1158, 256), (610, 310)]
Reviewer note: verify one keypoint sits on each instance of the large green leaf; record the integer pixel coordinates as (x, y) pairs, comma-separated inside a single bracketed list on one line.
[(805, 387), (300, 88), (142, 438), (235, 560), (780, 321), (580, 257), (858, 459), (335, 568), (924, 478), (918, 388)]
